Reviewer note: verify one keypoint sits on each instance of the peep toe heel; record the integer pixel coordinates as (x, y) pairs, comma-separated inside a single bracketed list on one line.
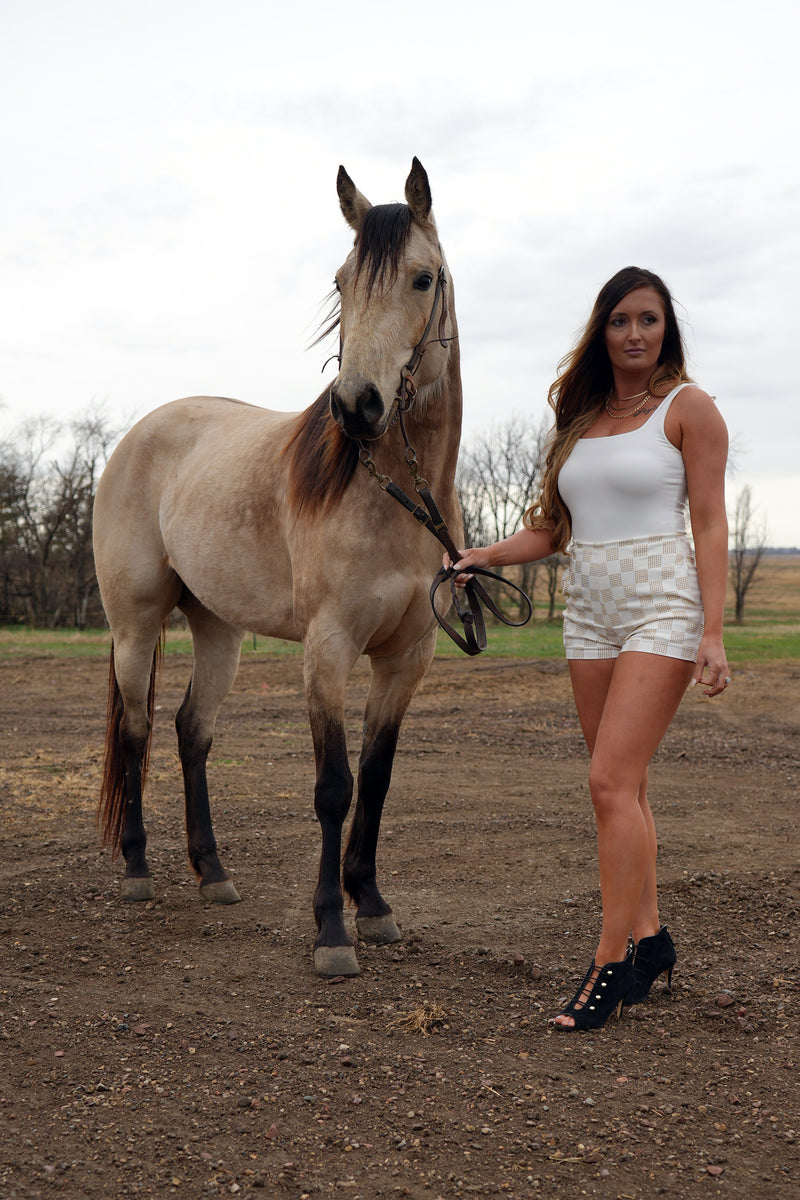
[(602, 993), (652, 956)]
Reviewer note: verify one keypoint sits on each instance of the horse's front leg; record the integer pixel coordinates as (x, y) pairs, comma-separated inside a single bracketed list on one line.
[(326, 676), (216, 659), (394, 681)]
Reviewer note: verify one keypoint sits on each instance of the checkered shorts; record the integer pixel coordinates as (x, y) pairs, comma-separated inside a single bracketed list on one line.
[(638, 594)]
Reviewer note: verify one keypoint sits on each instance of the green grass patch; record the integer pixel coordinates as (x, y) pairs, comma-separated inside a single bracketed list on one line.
[(537, 639), (23, 642), (771, 630), (755, 641)]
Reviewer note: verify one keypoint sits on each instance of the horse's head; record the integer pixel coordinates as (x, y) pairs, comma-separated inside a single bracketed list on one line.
[(388, 289)]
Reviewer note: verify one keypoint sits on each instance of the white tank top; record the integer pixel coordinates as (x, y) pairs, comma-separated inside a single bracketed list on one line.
[(626, 485)]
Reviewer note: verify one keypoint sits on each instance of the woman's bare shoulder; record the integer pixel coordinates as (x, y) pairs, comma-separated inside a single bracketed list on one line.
[(691, 393), (693, 404)]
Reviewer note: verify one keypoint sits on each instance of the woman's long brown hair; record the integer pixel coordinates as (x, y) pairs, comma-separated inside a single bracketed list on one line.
[(584, 381)]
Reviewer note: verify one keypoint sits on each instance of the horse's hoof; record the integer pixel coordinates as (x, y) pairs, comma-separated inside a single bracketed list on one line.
[(137, 888), (378, 930), (221, 892), (331, 961)]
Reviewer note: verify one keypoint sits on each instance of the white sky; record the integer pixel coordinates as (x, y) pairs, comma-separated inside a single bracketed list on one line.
[(169, 222)]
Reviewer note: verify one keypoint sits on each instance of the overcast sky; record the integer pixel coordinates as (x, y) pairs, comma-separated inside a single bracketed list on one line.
[(169, 222)]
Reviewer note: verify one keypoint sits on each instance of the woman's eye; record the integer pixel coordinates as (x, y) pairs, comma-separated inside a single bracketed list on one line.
[(423, 282)]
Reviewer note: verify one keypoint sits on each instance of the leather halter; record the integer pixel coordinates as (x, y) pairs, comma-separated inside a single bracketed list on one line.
[(471, 616)]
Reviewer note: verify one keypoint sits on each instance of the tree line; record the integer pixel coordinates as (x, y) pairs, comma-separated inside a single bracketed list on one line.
[(48, 478), (49, 473)]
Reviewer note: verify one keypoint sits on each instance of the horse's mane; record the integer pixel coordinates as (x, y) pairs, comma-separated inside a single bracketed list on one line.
[(323, 459)]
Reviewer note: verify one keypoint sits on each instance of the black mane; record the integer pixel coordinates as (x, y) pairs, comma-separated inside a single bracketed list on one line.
[(381, 241), (379, 244)]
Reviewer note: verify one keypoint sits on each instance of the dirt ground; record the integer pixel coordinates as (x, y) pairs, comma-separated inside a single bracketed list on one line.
[(177, 1048)]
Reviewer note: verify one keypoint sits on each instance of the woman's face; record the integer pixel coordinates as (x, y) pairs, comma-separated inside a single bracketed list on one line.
[(635, 331)]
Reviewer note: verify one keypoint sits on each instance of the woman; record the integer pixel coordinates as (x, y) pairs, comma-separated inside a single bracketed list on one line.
[(633, 438)]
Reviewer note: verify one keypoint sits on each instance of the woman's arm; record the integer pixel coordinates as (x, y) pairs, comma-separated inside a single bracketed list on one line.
[(704, 446), (526, 545)]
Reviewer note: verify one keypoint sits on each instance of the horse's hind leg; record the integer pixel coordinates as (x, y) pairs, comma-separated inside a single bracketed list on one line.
[(216, 659), (394, 681), (134, 659)]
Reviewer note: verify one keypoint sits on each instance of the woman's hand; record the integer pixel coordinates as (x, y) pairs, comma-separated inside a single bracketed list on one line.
[(478, 556), (526, 545), (712, 666)]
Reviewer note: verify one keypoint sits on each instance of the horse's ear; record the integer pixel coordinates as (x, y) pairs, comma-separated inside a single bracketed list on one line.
[(418, 192), (354, 206)]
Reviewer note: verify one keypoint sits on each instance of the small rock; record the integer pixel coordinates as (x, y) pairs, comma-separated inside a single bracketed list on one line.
[(725, 1000)]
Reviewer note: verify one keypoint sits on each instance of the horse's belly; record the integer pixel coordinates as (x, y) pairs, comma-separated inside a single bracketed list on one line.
[(245, 584)]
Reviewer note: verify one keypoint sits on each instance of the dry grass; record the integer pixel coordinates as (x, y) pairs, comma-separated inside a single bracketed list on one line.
[(422, 1020)]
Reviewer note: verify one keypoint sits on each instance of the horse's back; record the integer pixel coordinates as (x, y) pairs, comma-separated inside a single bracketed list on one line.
[(167, 436), (194, 492)]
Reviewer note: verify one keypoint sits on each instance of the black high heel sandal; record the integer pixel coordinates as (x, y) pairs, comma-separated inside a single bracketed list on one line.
[(652, 956), (602, 993)]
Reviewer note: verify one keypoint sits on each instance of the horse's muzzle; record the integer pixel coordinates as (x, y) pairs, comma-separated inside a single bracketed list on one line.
[(364, 415)]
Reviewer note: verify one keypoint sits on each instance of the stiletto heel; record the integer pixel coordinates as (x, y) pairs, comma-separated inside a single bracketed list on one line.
[(602, 993), (652, 956)]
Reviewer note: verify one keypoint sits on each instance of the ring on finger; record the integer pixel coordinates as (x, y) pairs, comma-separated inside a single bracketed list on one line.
[(727, 679)]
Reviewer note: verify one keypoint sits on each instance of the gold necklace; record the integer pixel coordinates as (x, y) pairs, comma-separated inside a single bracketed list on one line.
[(631, 412), (625, 399)]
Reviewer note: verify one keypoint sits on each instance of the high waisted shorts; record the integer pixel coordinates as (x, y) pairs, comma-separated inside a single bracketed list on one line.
[(638, 594)]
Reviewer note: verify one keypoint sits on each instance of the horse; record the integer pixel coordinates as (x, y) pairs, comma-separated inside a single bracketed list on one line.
[(247, 519)]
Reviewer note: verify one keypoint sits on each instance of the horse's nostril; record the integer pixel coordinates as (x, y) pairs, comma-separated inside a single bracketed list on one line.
[(371, 405), (336, 408)]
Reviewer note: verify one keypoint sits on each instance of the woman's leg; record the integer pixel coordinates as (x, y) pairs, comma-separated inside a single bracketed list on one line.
[(646, 920), (591, 681), (625, 706)]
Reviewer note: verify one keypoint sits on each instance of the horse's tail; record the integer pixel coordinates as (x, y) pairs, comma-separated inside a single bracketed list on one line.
[(113, 792)]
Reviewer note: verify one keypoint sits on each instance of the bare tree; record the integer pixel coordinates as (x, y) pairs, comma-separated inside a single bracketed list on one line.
[(78, 473), (31, 519), (749, 538), (499, 476), (46, 567)]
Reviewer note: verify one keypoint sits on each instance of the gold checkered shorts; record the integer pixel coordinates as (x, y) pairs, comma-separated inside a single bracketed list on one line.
[(638, 594)]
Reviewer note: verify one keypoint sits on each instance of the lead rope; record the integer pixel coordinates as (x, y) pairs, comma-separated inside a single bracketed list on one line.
[(474, 639)]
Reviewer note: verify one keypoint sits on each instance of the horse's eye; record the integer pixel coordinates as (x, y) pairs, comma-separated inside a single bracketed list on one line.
[(336, 285), (423, 282)]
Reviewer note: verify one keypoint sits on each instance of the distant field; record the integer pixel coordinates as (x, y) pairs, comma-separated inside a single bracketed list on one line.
[(771, 629)]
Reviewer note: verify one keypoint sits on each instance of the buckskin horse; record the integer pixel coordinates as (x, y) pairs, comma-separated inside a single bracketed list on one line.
[(250, 520)]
